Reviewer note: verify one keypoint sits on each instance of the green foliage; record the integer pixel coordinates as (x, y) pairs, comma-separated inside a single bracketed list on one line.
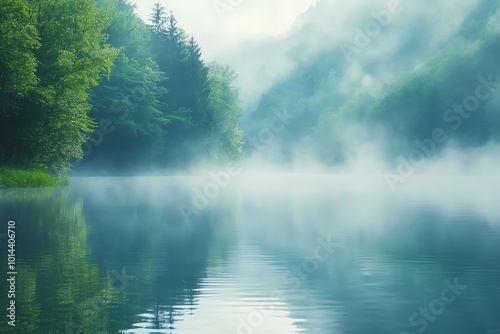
[(414, 106), (225, 136), (129, 99), (48, 124), (182, 123), (161, 101), (18, 41)]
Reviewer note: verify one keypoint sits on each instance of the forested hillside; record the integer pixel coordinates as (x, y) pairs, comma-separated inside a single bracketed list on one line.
[(399, 94), (87, 84)]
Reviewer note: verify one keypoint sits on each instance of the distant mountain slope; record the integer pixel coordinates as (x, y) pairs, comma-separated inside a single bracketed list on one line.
[(403, 81)]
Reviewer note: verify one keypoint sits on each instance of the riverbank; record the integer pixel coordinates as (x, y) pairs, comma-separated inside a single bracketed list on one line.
[(26, 178)]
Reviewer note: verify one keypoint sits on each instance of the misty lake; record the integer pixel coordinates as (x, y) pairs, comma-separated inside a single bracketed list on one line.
[(268, 254)]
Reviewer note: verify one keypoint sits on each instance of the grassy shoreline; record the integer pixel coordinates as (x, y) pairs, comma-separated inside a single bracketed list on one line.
[(27, 178)]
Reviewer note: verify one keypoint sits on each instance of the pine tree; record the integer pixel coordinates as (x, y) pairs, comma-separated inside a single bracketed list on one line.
[(158, 19)]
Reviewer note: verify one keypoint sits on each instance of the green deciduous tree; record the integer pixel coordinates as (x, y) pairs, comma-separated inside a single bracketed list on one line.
[(51, 121), (18, 42), (225, 137)]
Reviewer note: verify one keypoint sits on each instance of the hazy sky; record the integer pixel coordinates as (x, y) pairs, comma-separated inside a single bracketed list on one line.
[(218, 26)]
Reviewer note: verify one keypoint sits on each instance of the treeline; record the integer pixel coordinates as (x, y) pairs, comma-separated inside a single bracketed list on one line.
[(87, 83)]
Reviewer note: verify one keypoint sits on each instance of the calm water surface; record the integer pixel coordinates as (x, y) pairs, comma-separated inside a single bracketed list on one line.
[(268, 254)]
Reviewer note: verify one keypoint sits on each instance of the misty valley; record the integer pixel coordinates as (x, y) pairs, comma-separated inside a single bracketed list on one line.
[(245, 167)]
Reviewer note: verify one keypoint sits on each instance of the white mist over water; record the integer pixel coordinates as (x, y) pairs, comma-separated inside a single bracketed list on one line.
[(393, 248)]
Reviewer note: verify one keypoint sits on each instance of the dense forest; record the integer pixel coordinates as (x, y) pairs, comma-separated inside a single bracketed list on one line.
[(87, 84)]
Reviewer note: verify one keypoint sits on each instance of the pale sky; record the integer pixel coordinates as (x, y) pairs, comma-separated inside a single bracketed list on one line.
[(219, 25)]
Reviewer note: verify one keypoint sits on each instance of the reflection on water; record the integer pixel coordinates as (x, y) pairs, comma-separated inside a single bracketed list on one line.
[(288, 254)]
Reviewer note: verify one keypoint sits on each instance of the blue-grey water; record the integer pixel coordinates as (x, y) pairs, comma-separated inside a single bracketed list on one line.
[(264, 254)]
